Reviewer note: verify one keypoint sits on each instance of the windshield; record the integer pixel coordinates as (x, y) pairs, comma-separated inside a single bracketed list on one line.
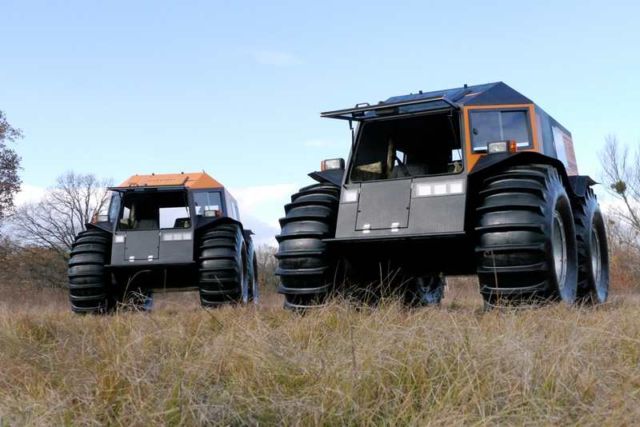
[(416, 146), (154, 210)]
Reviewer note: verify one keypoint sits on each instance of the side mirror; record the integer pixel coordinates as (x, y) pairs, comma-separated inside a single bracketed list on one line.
[(102, 218), (331, 164)]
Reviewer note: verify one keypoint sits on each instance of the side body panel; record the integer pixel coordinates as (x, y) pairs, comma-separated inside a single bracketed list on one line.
[(557, 141)]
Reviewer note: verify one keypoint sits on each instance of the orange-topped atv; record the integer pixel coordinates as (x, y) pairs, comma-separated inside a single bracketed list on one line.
[(163, 231)]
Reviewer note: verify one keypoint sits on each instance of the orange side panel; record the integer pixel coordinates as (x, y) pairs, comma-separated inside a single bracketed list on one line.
[(189, 180), (472, 158)]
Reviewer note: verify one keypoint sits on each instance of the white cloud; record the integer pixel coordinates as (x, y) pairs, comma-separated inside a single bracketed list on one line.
[(28, 194), (264, 233), (260, 208), (252, 197), (275, 58)]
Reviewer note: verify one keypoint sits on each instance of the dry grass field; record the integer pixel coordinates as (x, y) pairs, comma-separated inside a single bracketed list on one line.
[(341, 365)]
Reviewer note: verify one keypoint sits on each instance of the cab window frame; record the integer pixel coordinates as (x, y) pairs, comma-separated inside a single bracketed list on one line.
[(125, 210), (361, 127), (221, 198), (527, 120)]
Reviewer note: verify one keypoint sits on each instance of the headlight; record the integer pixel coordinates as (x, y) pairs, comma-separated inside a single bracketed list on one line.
[(176, 236), (510, 146), (119, 238), (497, 147), (350, 196), (442, 188), (331, 164)]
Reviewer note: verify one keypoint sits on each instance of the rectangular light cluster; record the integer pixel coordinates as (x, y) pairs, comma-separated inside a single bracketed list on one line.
[(173, 236), (442, 188), (119, 238), (350, 196)]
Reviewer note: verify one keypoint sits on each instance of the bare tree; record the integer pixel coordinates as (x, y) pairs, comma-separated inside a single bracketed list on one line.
[(54, 221), (267, 265), (9, 166), (621, 175)]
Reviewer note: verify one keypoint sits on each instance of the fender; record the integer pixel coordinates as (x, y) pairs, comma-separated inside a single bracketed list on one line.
[(252, 268), (332, 176), (576, 185), (205, 222), (249, 241), (488, 165), (104, 226), (208, 222)]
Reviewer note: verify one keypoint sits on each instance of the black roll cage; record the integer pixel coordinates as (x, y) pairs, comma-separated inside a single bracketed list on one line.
[(358, 113)]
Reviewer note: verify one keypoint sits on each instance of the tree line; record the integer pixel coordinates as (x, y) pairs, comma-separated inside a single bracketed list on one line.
[(36, 237)]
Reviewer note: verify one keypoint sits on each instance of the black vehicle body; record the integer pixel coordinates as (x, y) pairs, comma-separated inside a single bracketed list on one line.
[(423, 216), (154, 232)]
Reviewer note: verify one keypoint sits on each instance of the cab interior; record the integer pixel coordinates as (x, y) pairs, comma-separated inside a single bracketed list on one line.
[(423, 145), (156, 210)]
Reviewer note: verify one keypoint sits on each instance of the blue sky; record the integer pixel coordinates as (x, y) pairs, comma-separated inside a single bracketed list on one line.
[(235, 88)]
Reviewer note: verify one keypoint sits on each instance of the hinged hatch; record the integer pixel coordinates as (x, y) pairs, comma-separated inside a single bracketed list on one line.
[(384, 205)]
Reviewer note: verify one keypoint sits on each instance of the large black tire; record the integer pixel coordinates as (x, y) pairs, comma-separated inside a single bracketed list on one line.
[(254, 286), (89, 281), (526, 244), (223, 269), (253, 292), (593, 252), (305, 266)]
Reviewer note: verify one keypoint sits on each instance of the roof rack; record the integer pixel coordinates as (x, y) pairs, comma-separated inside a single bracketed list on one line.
[(359, 113)]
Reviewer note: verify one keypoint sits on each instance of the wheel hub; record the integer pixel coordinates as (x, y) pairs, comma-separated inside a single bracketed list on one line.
[(559, 247), (596, 262)]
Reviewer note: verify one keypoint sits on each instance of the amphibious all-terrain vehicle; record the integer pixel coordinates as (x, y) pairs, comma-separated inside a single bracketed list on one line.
[(473, 180), (172, 231)]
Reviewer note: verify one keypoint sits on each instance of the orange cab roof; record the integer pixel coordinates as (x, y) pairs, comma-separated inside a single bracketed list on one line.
[(189, 180)]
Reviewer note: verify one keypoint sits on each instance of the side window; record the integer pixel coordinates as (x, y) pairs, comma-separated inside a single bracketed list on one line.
[(114, 207), (236, 211), (232, 208), (207, 203), (125, 220), (492, 126)]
